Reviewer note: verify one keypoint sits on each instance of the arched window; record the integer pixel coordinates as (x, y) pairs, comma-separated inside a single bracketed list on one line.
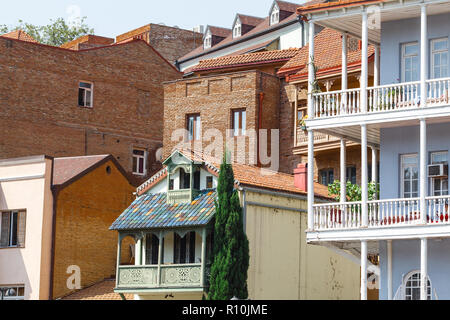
[(411, 285)]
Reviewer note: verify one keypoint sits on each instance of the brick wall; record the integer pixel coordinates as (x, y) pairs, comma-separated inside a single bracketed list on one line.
[(85, 211), (214, 98), (39, 98)]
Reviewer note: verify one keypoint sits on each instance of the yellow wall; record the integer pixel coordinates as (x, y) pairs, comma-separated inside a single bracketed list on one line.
[(85, 211), (282, 265)]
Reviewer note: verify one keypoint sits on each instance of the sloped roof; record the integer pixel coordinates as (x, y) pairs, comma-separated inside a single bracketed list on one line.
[(249, 20), (151, 211), (244, 59), (324, 5), (327, 55), (68, 168), (103, 290), (219, 31), (246, 175), (19, 35), (287, 6)]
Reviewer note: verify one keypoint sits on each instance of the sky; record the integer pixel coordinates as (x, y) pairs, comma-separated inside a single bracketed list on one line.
[(112, 17)]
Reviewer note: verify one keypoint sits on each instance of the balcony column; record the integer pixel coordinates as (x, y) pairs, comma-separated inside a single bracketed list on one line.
[(423, 268), (310, 179), (343, 177), (364, 63), (138, 252), (389, 269), (364, 177), (160, 250), (423, 55), (423, 170), (376, 71), (311, 71), (202, 270), (119, 257), (363, 270), (374, 164), (344, 61)]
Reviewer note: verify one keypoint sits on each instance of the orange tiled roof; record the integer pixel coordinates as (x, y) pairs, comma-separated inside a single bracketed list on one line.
[(70, 167), (245, 59), (244, 175), (313, 7), (103, 290), (327, 55), (19, 35)]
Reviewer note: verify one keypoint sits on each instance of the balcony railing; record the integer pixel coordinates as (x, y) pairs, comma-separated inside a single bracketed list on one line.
[(381, 213), (170, 276), (181, 196), (381, 98)]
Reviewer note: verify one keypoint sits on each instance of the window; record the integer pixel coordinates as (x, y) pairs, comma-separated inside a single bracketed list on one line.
[(409, 184), (412, 286), (184, 248), (439, 58), (237, 29), (239, 122), (185, 179), (193, 127), (439, 186), (152, 249), (12, 229), (16, 292), (197, 180), (139, 162), (85, 94), (350, 174), (171, 184), (275, 15), (209, 182), (410, 62), (326, 176)]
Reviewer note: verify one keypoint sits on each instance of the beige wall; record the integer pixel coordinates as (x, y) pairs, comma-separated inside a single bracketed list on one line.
[(25, 184), (282, 265)]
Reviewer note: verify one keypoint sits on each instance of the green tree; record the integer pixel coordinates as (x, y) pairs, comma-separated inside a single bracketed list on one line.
[(353, 191), (231, 252), (56, 33)]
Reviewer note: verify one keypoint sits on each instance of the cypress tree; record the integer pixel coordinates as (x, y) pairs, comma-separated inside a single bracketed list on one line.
[(231, 253)]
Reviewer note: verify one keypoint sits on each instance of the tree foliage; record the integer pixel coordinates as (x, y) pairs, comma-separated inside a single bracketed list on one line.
[(231, 251), (56, 33), (353, 191)]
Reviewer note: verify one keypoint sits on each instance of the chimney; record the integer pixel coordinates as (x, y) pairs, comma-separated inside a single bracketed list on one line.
[(301, 176)]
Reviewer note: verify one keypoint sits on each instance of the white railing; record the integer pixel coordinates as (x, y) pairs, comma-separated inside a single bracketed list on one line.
[(438, 210), (337, 215), (381, 98), (381, 213), (336, 103), (393, 212)]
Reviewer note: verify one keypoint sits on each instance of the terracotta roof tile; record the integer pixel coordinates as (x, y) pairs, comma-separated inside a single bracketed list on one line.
[(103, 290), (19, 35), (219, 31), (243, 59), (327, 54), (249, 20), (287, 6), (68, 168)]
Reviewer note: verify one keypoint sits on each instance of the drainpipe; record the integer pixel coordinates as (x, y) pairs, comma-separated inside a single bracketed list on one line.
[(55, 192), (261, 99)]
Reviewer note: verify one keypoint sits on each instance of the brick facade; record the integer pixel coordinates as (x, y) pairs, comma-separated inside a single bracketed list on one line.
[(171, 42), (39, 98), (215, 97), (85, 210)]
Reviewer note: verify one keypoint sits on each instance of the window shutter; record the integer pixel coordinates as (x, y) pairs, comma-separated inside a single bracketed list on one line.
[(4, 239), (21, 229)]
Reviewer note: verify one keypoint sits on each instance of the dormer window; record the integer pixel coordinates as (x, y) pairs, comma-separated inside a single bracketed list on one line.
[(275, 15), (237, 30), (208, 40)]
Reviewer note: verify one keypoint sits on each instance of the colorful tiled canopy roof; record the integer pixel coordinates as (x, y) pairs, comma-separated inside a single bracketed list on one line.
[(246, 59), (151, 211)]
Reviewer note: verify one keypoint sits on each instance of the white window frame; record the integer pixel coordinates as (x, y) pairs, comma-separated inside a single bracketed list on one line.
[(86, 90), (237, 29), (404, 57), (195, 135), (402, 177), (275, 15), (239, 128), (405, 281), (432, 180), (140, 157), (16, 288), (433, 52)]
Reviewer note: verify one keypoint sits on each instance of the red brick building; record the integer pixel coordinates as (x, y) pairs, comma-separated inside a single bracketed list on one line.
[(102, 100)]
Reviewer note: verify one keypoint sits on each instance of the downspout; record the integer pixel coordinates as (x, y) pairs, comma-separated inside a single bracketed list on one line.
[(55, 193), (261, 99)]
